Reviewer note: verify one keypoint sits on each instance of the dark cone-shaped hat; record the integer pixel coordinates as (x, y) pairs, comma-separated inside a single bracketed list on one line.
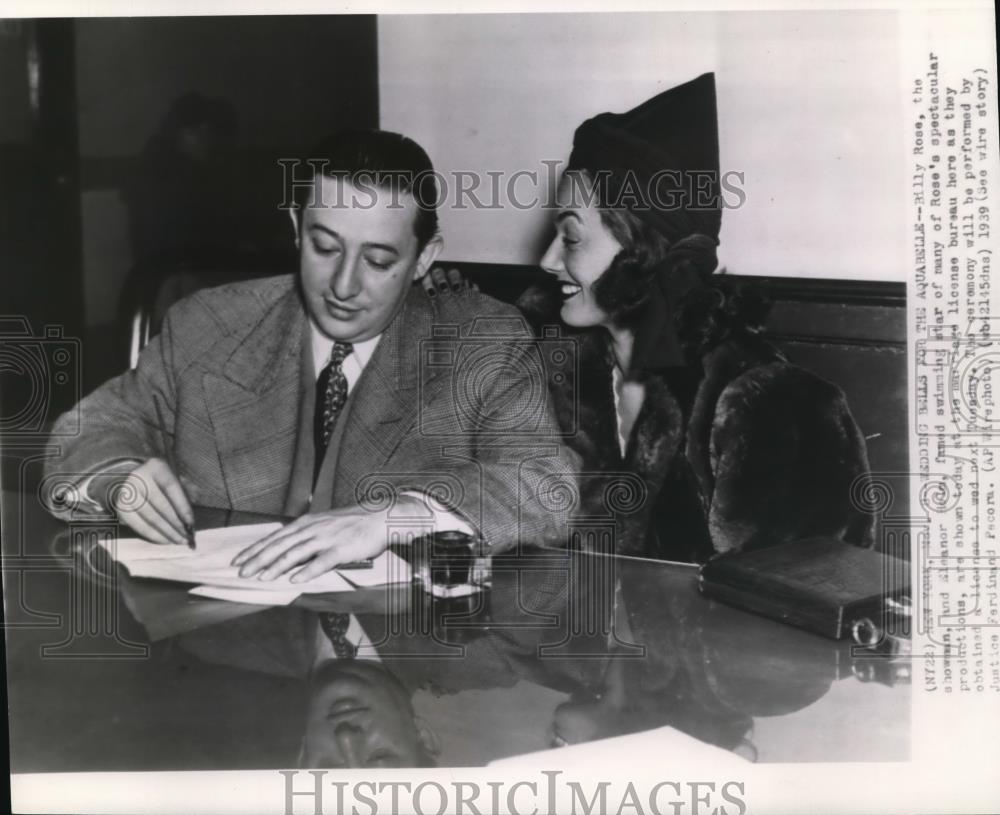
[(660, 161), (665, 153)]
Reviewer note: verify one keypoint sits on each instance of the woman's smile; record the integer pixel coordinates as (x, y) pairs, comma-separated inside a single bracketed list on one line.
[(570, 290)]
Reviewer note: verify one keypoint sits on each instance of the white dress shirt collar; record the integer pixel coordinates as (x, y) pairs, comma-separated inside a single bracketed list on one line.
[(616, 389), (354, 363), (355, 635)]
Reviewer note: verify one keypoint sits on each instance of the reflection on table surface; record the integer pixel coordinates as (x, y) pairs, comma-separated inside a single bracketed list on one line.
[(106, 672)]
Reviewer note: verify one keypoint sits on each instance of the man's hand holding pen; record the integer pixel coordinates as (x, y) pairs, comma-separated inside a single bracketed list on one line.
[(149, 498)]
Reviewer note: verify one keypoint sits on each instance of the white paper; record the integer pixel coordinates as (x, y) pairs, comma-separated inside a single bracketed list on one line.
[(208, 543), (209, 564), (261, 598), (661, 746)]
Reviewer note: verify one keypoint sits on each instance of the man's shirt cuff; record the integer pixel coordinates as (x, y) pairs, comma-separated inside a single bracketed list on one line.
[(444, 518)]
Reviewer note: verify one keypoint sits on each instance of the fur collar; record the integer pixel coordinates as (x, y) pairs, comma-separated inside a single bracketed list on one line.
[(669, 441)]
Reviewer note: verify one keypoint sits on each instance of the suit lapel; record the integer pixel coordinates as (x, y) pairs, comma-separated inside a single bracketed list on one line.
[(253, 407), (385, 402)]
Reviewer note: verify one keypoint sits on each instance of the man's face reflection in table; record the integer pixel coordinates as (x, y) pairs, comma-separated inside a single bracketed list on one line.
[(359, 715)]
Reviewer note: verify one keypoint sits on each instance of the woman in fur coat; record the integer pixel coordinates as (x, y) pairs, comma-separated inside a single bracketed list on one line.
[(722, 444)]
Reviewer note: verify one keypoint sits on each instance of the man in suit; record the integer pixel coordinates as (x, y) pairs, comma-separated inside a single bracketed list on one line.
[(312, 396)]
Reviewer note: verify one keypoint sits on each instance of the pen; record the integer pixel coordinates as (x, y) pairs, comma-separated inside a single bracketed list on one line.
[(355, 564), (168, 452)]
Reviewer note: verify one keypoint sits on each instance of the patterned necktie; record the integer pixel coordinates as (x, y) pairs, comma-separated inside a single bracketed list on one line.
[(331, 394), (335, 628)]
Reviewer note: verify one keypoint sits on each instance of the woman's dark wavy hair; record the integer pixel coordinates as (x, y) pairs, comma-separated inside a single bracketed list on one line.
[(707, 314)]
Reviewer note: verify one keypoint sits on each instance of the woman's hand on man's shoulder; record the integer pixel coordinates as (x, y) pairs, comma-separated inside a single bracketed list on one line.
[(441, 281)]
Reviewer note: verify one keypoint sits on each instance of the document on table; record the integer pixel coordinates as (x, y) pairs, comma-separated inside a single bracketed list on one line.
[(262, 597), (663, 746), (209, 565)]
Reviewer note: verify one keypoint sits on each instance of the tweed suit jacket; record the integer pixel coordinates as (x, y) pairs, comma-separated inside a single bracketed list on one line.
[(469, 424)]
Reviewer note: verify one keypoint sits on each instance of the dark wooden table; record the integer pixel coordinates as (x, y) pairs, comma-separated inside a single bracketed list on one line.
[(106, 672)]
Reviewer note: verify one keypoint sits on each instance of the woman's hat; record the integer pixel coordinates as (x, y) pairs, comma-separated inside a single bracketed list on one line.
[(660, 160)]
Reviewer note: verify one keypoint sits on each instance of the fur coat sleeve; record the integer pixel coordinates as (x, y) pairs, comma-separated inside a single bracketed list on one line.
[(747, 451), (783, 452)]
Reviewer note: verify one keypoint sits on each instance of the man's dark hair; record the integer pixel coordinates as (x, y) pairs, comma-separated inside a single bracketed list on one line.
[(378, 158)]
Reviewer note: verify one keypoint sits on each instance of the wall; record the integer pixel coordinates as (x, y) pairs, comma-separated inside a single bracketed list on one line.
[(809, 110), (290, 79)]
